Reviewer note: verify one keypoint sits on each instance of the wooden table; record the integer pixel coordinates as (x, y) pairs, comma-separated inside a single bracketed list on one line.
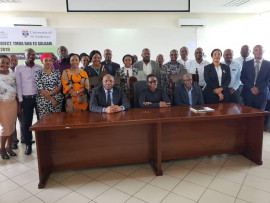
[(85, 139)]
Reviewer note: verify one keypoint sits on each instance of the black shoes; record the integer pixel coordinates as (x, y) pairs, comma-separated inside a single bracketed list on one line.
[(22, 141), (14, 146), (28, 149)]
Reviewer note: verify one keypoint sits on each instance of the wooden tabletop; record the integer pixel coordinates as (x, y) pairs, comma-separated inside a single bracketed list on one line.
[(86, 119)]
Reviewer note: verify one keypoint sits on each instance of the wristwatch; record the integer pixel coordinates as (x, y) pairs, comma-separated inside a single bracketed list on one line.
[(77, 92)]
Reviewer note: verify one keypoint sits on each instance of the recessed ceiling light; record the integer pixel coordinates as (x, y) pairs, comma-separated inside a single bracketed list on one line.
[(236, 3), (10, 1)]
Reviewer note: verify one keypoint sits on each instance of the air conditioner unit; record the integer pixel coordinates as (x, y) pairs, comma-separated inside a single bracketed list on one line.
[(191, 22), (29, 21)]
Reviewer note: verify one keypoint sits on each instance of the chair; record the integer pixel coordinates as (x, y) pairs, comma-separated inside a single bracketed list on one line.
[(138, 87), (172, 81), (130, 89)]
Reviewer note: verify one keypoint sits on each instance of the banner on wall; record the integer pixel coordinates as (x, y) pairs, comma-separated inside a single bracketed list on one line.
[(17, 40)]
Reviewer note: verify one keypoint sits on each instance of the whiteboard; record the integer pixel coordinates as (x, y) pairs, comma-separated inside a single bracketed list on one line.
[(127, 41)]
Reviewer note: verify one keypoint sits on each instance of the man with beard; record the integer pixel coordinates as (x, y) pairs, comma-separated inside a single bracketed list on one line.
[(27, 92), (62, 63), (235, 86), (198, 64), (160, 60), (147, 66), (173, 67), (245, 51), (110, 66)]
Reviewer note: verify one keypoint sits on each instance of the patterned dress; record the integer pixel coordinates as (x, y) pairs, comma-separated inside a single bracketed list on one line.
[(123, 81), (76, 82), (167, 70), (48, 83)]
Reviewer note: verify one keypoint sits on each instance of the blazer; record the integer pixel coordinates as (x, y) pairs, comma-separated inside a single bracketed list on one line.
[(181, 96), (211, 80), (115, 67), (262, 82), (98, 99), (155, 68)]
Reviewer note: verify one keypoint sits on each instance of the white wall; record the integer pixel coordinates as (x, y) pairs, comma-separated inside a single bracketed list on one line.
[(222, 30)]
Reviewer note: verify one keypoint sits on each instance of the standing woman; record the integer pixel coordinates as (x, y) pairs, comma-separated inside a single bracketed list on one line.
[(8, 107), (75, 85), (48, 81), (85, 60), (96, 69), (217, 77), (127, 70)]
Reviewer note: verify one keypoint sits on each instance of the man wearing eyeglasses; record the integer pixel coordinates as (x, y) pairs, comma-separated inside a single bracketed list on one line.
[(187, 93), (153, 97)]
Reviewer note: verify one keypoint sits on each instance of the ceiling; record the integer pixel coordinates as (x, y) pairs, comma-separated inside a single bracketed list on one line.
[(196, 6)]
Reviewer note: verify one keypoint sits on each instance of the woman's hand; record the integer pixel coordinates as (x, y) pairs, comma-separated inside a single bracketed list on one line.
[(79, 99), (54, 102), (221, 96), (218, 90)]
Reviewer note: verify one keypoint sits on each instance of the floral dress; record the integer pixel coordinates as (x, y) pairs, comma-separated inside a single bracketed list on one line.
[(48, 83), (76, 82)]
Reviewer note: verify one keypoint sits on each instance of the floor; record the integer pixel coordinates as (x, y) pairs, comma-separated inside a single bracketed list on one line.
[(222, 179)]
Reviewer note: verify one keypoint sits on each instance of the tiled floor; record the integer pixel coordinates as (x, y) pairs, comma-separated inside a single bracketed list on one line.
[(217, 179)]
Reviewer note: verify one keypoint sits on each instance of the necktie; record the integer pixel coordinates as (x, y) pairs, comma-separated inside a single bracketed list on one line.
[(257, 69), (244, 59), (108, 103)]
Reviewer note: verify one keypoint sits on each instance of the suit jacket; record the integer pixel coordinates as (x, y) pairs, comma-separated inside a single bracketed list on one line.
[(211, 80), (262, 82), (155, 68), (181, 96), (115, 67), (98, 99)]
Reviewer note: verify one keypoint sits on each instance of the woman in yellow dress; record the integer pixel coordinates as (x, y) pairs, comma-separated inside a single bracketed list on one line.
[(75, 85)]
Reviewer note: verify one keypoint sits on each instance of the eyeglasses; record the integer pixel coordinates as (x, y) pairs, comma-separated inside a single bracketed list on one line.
[(187, 80), (154, 81)]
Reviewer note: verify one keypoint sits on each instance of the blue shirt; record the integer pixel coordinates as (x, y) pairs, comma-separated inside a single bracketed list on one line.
[(189, 94), (235, 69), (111, 94)]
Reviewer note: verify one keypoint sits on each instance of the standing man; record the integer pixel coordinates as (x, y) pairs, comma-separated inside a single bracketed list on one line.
[(184, 56), (245, 51), (198, 64), (27, 92), (62, 63), (173, 67), (13, 63), (160, 60), (255, 77), (147, 66), (235, 86), (110, 66)]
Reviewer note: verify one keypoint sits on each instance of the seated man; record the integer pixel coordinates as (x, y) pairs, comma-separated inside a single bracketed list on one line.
[(188, 94), (107, 98), (152, 96)]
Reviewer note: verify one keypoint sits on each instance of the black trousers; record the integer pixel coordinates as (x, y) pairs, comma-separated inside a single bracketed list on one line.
[(28, 106), (15, 138)]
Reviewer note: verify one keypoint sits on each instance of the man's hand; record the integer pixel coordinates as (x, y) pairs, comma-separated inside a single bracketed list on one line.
[(109, 109), (117, 108), (254, 90), (19, 108), (231, 90), (221, 96), (147, 103), (163, 104), (218, 90)]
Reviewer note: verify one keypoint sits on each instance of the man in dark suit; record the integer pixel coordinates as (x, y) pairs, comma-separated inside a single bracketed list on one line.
[(110, 66), (255, 77), (107, 98), (187, 94)]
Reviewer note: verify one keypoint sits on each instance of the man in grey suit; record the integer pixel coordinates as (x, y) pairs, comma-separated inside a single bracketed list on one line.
[(188, 94), (147, 66), (107, 98)]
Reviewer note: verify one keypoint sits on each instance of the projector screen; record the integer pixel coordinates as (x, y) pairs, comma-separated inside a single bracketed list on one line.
[(128, 5)]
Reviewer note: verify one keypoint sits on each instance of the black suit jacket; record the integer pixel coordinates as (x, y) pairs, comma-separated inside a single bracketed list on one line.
[(98, 99), (181, 96), (262, 82), (115, 67), (211, 79)]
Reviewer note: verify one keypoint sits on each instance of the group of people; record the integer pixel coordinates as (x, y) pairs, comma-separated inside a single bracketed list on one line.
[(62, 85)]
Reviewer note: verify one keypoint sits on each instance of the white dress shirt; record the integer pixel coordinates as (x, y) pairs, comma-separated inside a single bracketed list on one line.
[(183, 62), (219, 74), (147, 68), (191, 68), (129, 71), (241, 59)]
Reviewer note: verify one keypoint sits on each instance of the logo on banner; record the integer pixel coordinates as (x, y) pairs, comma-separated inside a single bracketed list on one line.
[(25, 33)]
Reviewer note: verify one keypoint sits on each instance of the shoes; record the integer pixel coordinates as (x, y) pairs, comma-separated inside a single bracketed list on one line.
[(14, 146), (28, 149), (5, 156), (11, 154), (22, 141)]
